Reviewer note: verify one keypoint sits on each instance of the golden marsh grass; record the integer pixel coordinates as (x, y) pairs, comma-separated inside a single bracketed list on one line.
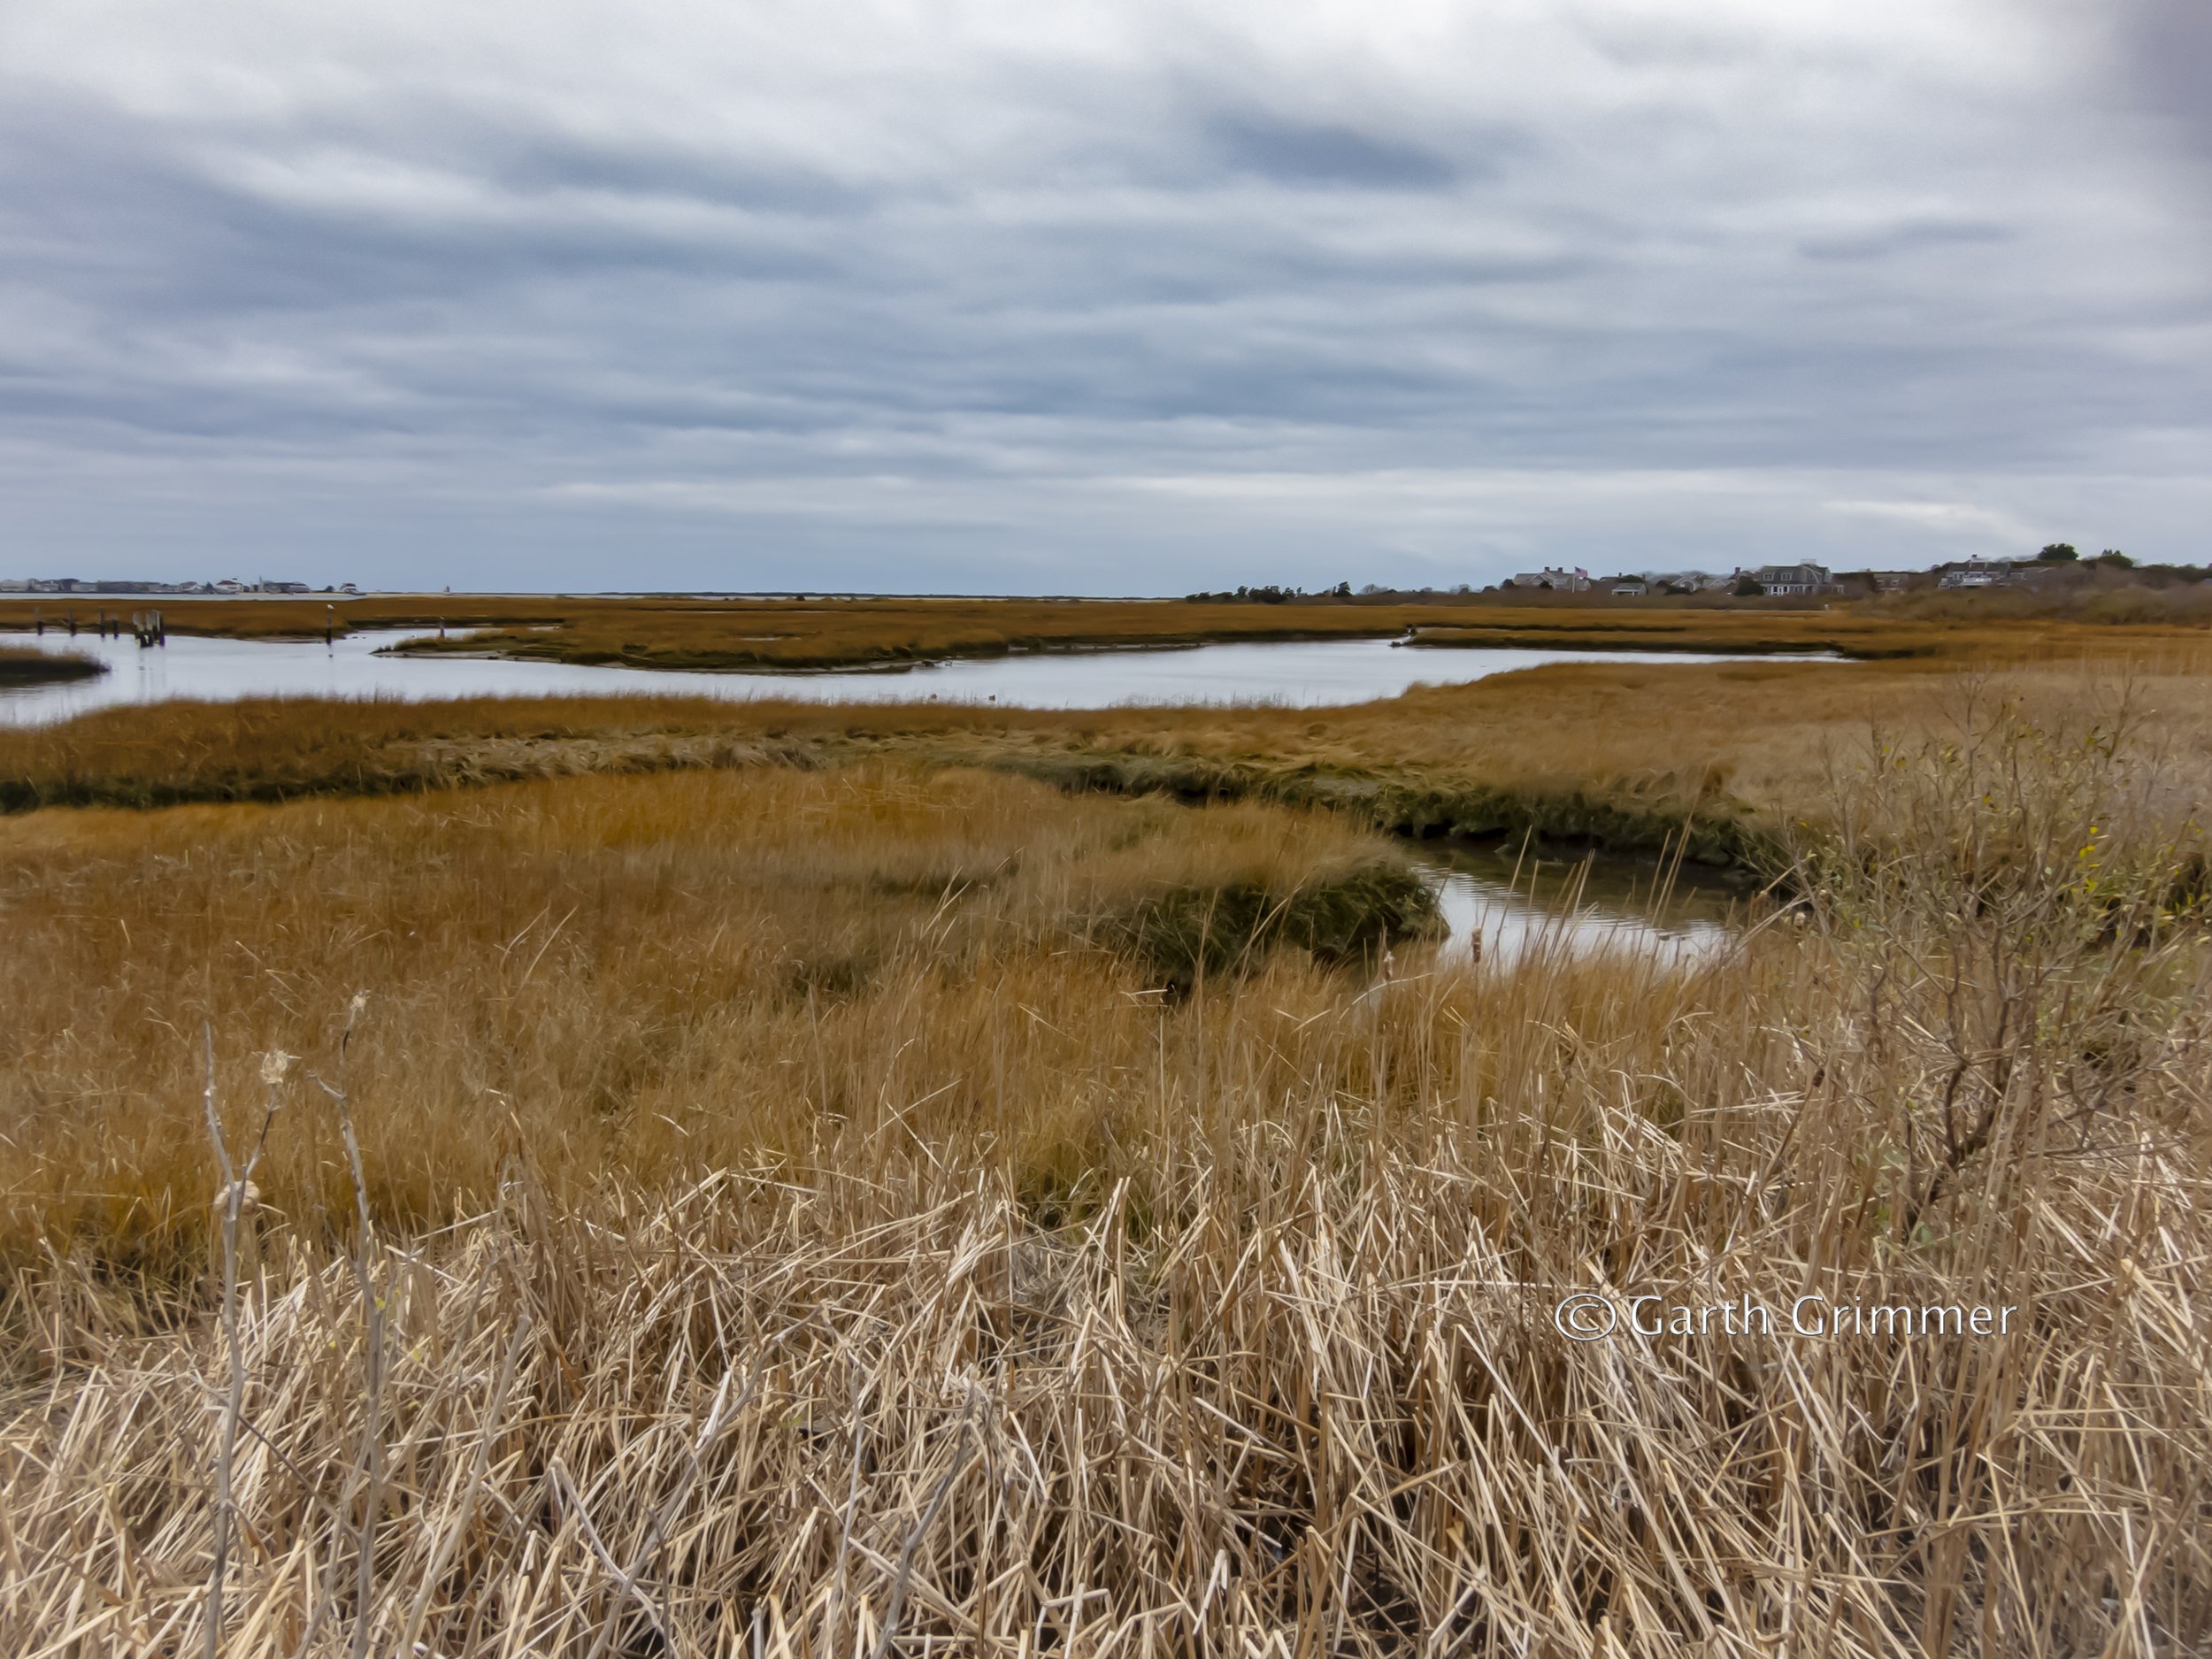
[(655, 976)]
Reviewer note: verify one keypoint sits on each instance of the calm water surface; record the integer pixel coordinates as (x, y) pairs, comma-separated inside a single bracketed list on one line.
[(1298, 673), (1505, 903)]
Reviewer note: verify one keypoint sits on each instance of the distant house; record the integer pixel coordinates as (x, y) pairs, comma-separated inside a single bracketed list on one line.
[(1891, 581), (1631, 587), (1793, 580), (1573, 581), (1988, 573), (283, 588), (1683, 581), (230, 585)]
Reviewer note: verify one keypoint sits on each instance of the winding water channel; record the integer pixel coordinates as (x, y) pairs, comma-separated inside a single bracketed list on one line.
[(1498, 902), (1299, 673)]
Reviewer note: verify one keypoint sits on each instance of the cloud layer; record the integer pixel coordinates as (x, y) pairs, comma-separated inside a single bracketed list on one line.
[(1095, 298)]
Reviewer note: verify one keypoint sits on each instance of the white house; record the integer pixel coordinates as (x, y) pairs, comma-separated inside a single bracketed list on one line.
[(1793, 580), (1573, 581)]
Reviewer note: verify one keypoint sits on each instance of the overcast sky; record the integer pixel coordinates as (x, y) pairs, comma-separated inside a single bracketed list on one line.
[(1123, 297)]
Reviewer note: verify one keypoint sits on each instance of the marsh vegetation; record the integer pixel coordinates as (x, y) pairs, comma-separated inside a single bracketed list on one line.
[(707, 634), (21, 666), (877, 1188)]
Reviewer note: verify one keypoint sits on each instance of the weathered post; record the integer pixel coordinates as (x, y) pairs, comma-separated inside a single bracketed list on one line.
[(73, 624), (330, 625), (38, 621)]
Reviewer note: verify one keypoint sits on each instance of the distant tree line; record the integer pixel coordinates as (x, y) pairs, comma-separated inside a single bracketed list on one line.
[(1270, 595), (2066, 553)]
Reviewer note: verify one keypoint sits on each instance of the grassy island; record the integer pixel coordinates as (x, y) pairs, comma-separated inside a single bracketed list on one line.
[(20, 665)]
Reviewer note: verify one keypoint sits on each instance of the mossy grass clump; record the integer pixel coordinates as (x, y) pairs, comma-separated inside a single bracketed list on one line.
[(1194, 929)]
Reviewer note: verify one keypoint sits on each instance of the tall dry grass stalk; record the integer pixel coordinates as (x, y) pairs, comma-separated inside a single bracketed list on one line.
[(974, 1297)]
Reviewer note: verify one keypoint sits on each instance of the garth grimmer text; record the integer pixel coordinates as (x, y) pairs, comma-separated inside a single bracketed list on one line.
[(1590, 1315)]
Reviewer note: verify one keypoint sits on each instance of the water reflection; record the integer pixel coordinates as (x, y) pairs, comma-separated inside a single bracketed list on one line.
[(1507, 903), (1299, 673)]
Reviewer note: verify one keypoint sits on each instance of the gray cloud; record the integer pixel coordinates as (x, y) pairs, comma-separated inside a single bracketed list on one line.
[(1306, 154), (1907, 236), (1091, 297), (2167, 45)]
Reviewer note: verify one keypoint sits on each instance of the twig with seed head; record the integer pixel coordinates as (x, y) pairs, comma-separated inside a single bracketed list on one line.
[(238, 1193), (372, 1453)]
